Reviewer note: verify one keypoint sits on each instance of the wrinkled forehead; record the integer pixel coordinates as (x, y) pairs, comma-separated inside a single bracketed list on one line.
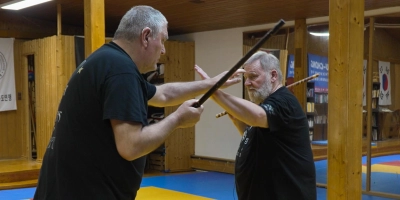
[(250, 73), (254, 67)]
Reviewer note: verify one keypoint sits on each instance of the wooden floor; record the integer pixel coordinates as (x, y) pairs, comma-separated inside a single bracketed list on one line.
[(24, 173), (18, 173)]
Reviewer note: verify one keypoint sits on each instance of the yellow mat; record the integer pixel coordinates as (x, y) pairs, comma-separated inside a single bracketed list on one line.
[(155, 193), (382, 168)]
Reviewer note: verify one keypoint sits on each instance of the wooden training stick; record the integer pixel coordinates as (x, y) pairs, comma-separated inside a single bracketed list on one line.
[(239, 64), (289, 86)]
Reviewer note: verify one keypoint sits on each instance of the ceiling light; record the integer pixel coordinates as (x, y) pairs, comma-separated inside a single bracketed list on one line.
[(320, 30), (319, 34), (20, 4)]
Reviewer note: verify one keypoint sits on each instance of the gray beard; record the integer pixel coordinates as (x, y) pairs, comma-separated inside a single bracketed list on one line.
[(261, 93)]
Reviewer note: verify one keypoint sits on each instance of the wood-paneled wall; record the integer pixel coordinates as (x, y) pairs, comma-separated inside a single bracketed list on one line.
[(50, 81), (14, 127), (179, 64), (54, 63)]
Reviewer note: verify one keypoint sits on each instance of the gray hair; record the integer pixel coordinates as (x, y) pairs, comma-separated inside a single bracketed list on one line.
[(138, 18), (268, 62)]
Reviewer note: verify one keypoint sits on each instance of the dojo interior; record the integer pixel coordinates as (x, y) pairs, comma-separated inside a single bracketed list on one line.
[(50, 40)]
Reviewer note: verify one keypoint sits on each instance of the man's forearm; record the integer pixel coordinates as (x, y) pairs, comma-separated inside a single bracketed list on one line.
[(176, 93)]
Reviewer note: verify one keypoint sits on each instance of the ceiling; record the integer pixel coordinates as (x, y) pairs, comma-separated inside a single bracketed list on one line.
[(188, 16)]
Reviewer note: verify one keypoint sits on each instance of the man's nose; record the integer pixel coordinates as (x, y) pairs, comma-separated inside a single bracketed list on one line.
[(163, 51)]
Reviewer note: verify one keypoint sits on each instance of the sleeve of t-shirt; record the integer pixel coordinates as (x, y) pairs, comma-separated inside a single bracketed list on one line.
[(274, 115), (125, 98), (151, 90)]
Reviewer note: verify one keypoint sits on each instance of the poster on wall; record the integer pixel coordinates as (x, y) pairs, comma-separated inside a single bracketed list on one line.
[(364, 82), (7, 78), (290, 67), (290, 71), (384, 77), (318, 65)]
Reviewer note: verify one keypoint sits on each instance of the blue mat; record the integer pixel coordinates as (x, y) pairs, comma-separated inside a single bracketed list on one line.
[(325, 142), (221, 186), (380, 181)]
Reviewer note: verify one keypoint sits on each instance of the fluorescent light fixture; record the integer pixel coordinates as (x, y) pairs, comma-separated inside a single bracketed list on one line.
[(319, 34), (20, 4)]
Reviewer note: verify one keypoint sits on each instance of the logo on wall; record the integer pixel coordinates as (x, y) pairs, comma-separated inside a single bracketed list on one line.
[(3, 65)]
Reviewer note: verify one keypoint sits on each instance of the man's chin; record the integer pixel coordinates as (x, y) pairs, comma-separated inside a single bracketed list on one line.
[(251, 97)]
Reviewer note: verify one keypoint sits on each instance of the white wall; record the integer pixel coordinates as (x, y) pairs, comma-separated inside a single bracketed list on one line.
[(218, 51)]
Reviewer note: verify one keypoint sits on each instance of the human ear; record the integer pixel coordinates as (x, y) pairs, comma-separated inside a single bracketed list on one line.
[(146, 34), (274, 75)]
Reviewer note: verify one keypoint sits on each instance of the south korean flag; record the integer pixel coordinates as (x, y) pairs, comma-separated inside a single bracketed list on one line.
[(384, 77)]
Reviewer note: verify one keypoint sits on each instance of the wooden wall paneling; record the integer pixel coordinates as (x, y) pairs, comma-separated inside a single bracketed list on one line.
[(277, 42), (59, 54), (283, 58), (3, 135), (246, 48), (14, 124), (300, 60), (10, 136), (395, 86), (290, 43), (346, 25), (171, 74), (47, 98), (213, 164), (179, 64), (317, 45), (21, 82), (386, 47), (15, 135), (67, 63)]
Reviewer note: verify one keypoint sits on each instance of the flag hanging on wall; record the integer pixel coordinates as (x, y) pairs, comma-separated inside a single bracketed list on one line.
[(384, 77), (365, 83), (7, 78)]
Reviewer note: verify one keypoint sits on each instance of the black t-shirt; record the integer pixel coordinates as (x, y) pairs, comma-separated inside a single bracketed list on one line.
[(81, 159), (277, 162)]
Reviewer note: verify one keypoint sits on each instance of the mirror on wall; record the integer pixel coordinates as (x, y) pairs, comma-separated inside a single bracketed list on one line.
[(381, 147), (381, 144)]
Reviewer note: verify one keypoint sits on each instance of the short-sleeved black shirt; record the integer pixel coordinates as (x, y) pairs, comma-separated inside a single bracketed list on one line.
[(277, 162), (81, 159)]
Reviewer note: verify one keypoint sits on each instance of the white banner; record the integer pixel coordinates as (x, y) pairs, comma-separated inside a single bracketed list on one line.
[(385, 95), (365, 83), (7, 78)]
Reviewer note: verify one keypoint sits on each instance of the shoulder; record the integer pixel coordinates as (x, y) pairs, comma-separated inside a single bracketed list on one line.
[(282, 98), (112, 60), (111, 53), (282, 94)]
